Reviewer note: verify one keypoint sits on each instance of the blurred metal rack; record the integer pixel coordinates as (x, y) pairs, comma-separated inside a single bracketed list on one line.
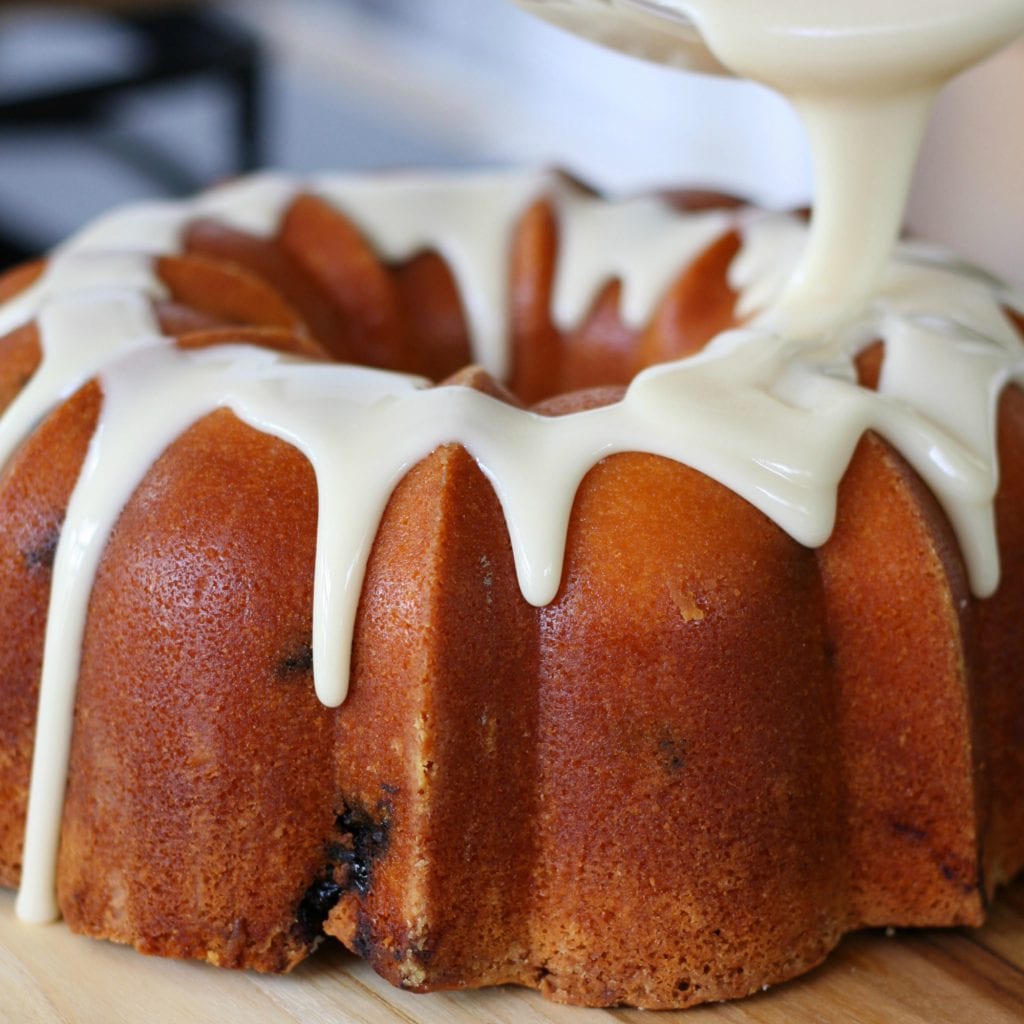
[(171, 44)]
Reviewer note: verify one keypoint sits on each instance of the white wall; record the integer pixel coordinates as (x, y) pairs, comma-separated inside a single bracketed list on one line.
[(969, 191), (496, 85)]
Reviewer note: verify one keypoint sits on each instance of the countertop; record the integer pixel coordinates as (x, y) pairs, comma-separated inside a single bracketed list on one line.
[(959, 976)]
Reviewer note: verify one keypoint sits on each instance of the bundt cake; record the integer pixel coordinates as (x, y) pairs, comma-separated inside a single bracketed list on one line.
[(661, 680)]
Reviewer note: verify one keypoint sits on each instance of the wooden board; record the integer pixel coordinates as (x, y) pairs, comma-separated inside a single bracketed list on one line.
[(49, 976)]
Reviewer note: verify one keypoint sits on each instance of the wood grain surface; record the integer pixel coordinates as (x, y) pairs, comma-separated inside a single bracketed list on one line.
[(49, 976)]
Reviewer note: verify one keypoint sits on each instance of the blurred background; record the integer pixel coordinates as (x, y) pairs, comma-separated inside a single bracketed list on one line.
[(110, 100)]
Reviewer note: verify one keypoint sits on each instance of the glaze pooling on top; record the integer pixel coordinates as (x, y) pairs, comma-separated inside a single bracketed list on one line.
[(774, 420)]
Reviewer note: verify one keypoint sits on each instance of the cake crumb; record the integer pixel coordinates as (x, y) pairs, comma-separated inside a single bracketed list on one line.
[(687, 604)]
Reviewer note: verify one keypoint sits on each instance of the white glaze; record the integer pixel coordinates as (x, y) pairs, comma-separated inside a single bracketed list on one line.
[(773, 416), (862, 74)]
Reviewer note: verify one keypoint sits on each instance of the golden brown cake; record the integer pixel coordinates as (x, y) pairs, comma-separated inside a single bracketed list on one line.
[(714, 752)]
